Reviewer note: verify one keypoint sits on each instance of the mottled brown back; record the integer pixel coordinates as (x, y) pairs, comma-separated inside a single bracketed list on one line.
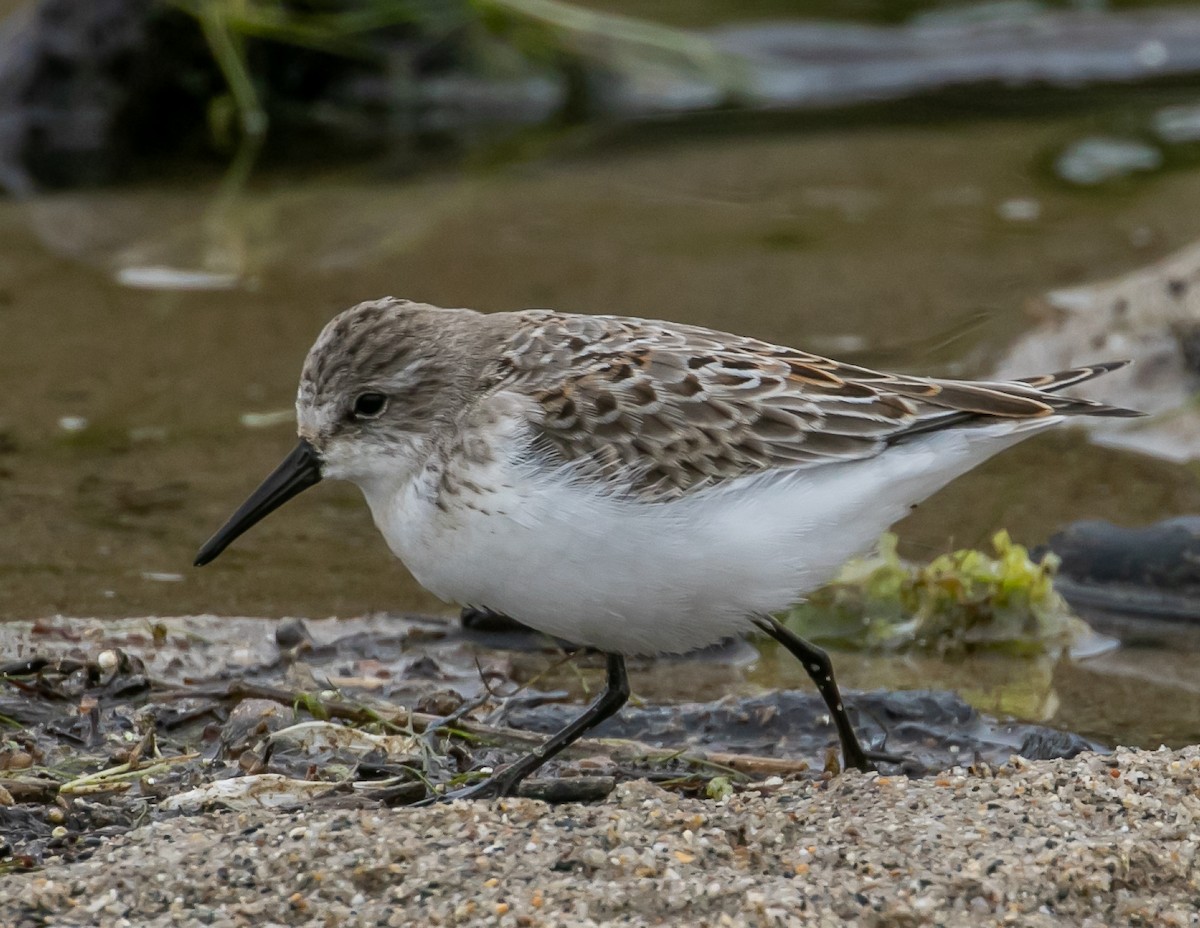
[(660, 409)]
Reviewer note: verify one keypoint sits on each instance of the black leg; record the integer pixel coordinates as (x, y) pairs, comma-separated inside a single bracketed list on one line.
[(505, 782), (817, 665)]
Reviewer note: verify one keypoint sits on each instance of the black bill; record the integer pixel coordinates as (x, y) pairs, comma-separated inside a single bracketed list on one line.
[(298, 471)]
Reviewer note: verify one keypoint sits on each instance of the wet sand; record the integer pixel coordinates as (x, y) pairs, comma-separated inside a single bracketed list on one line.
[(1093, 841)]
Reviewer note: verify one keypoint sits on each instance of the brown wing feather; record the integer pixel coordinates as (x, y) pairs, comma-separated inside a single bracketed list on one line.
[(660, 409)]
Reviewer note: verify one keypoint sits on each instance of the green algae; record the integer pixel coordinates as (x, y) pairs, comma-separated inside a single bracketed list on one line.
[(963, 602)]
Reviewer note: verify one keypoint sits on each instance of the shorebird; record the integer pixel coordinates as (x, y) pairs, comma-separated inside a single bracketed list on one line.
[(634, 486)]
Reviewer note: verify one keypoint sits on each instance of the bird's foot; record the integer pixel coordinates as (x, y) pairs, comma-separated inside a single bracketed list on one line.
[(858, 759), (854, 757), (494, 787)]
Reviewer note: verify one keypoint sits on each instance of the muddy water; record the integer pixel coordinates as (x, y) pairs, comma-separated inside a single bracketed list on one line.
[(132, 419)]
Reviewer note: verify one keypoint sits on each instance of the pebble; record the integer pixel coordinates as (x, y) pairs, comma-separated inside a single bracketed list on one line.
[(1178, 124), (1096, 840), (1020, 209), (1098, 159)]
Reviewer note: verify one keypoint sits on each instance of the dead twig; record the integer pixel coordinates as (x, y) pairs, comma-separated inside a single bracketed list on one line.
[(746, 766)]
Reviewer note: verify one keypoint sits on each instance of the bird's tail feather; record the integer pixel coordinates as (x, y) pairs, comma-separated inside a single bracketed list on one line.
[(965, 403)]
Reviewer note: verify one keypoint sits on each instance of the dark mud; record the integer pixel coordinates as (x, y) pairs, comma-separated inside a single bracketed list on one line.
[(931, 730)]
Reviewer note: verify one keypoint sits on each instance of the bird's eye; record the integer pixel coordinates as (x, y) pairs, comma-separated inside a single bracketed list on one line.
[(369, 405)]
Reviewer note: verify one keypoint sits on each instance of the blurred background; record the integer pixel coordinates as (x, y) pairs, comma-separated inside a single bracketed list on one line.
[(193, 188)]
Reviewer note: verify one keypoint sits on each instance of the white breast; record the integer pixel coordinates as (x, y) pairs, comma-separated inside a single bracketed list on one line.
[(638, 578)]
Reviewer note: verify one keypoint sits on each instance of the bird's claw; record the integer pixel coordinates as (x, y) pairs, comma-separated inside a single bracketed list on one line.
[(885, 757)]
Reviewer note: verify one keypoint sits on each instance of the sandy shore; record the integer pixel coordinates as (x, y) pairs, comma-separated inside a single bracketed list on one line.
[(1093, 841)]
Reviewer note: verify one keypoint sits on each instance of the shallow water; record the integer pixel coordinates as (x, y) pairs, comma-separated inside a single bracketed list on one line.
[(883, 240)]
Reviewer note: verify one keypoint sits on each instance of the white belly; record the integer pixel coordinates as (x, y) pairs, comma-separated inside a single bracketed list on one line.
[(640, 578)]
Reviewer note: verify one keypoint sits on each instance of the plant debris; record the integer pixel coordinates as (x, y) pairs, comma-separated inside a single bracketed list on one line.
[(959, 603)]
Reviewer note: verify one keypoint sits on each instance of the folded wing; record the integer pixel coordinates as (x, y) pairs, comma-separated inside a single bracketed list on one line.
[(660, 410)]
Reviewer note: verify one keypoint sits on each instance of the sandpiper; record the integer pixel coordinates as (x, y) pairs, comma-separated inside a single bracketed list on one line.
[(635, 486)]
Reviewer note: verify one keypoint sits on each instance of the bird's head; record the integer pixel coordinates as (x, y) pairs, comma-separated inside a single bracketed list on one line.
[(377, 381)]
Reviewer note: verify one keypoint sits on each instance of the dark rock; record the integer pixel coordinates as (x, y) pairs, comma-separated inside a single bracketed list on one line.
[(1046, 744), (440, 702), (292, 633), (568, 789), (250, 721), (1164, 555), (1150, 570)]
